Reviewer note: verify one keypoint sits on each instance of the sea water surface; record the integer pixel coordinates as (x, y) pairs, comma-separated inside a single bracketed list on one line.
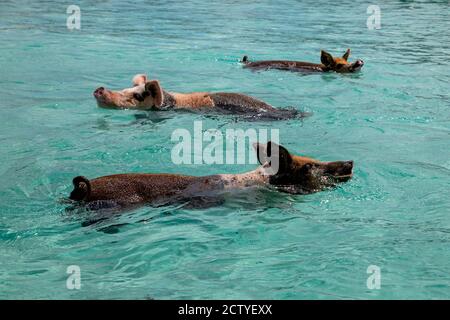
[(392, 119)]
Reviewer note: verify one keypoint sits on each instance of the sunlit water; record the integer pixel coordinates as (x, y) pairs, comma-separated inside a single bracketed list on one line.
[(392, 119)]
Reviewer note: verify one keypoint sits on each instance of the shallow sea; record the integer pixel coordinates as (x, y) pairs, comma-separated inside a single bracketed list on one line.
[(392, 119)]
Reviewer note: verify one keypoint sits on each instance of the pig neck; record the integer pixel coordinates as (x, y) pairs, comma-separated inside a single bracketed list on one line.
[(169, 101), (257, 177), (221, 182), (312, 66)]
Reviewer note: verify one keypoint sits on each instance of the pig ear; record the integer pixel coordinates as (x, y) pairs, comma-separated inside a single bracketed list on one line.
[(261, 154), (282, 156), (139, 79), (154, 89), (326, 58), (346, 54), (271, 151)]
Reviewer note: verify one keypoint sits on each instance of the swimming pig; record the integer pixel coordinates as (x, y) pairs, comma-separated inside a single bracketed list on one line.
[(279, 169), (329, 63), (145, 95)]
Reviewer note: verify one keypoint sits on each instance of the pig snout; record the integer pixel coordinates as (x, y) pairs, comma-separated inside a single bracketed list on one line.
[(99, 92)]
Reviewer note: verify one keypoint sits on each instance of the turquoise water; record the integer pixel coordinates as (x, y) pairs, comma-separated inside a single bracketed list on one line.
[(392, 119)]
